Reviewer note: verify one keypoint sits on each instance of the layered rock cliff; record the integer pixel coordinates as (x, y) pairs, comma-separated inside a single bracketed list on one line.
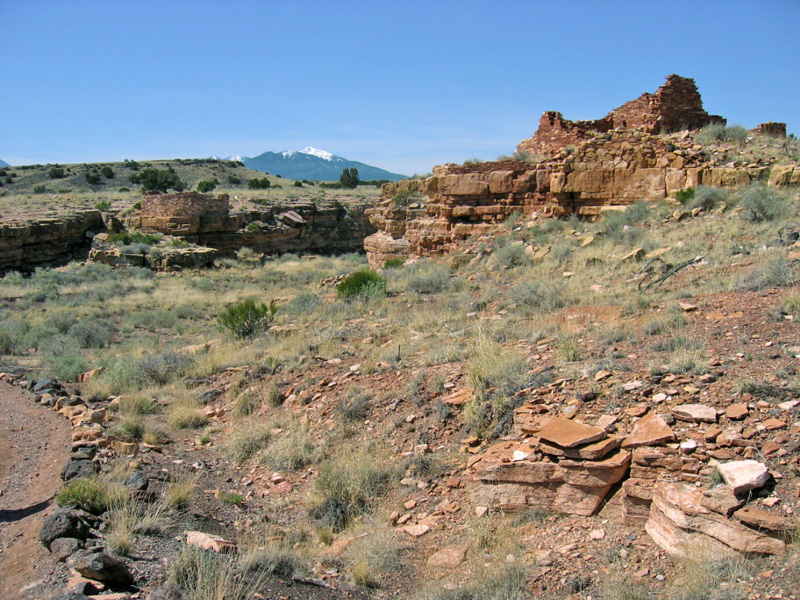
[(326, 226), (587, 167), (40, 241)]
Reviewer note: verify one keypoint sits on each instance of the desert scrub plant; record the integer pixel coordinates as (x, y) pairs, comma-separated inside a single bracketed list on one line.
[(277, 559), (761, 202), (671, 321), (248, 439), (711, 133), (372, 557), (365, 284), (178, 493), (182, 416), (291, 450), (791, 305), (355, 406), (247, 319), (707, 197), (350, 483), (533, 297), (777, 271), (511, 255), (427, 278), (205, 575), (132, 427), (91, 494)]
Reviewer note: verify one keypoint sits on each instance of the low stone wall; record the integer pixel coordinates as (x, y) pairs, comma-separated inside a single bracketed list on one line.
[(185, 204)]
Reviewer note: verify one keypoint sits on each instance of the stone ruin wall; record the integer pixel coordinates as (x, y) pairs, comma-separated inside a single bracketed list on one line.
[(185, 204), (674, 106), (606, 165)]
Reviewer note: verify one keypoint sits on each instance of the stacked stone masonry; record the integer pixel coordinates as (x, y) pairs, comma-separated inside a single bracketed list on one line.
[(587, 168)]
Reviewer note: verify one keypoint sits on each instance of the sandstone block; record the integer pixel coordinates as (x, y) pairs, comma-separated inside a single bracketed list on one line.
[(650, 430), (569, 434), (744, 475)]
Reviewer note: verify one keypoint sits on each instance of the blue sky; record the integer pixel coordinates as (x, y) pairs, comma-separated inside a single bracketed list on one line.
[(402, 85)]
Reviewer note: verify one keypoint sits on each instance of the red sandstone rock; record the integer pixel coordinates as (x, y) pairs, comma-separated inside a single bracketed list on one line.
[(569, 434), (648, 431)]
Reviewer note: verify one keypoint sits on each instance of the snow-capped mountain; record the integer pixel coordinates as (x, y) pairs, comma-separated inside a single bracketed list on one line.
[(313, 163), (234, 157)]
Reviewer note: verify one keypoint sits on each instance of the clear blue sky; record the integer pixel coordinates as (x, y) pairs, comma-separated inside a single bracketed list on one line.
[(402, 85)]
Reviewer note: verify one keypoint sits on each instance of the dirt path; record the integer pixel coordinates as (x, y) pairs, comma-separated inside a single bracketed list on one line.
[(34, 444)]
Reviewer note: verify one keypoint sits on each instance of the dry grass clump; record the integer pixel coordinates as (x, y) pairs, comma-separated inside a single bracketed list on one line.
[(130, 518), (350, 484), (179, 491), (292, 450), (205, 575), (248, 438), (703, 579), (374, 556)]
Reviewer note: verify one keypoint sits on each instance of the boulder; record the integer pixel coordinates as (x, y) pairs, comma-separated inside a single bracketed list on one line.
[(101, 566), (64, 547), (63, 523), (209, 542), (681, 525), (79, 468)]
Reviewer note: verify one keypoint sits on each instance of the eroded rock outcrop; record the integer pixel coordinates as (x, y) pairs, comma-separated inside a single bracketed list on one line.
[(572, 167), (325, 226), (39, 241)]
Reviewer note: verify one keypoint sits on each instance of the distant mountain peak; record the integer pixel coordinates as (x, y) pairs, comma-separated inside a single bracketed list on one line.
[(313, 163), (5, 164)]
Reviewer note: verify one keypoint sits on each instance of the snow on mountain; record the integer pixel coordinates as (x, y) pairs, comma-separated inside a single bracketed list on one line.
[(318, 153)]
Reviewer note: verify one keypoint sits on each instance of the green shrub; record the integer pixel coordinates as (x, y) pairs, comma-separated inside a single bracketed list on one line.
[(40, 189), (206, 185), (761, 202), (103, 205), (683, 196), (394, 263), (89, 494), (258, 184), (361, 284), (125, 189), (56, 173), (533, 297), (291, 451), (93, 333), (92, 178), (304, 303), (736, 133), (234, 180), (107, 172), (777, 271), (160, 180), (356, 405), (247, 319), (135, 237), (132, 427)]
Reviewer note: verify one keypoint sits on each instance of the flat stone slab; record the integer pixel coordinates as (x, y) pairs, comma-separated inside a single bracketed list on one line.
[(760, 519), (650, 430), (569, 434), (744, 475), (697, 413), (737, 411), (593, 451), (448, 558)]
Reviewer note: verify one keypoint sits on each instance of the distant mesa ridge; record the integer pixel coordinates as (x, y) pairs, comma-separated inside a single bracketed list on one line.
[(311, 163)]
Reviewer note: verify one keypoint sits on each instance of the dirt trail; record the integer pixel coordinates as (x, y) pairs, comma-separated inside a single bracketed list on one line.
[(34, 444)]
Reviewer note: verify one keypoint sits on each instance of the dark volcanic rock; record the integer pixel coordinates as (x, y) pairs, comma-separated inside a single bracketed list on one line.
[(64, 523), (79, 468), (101, 566)]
